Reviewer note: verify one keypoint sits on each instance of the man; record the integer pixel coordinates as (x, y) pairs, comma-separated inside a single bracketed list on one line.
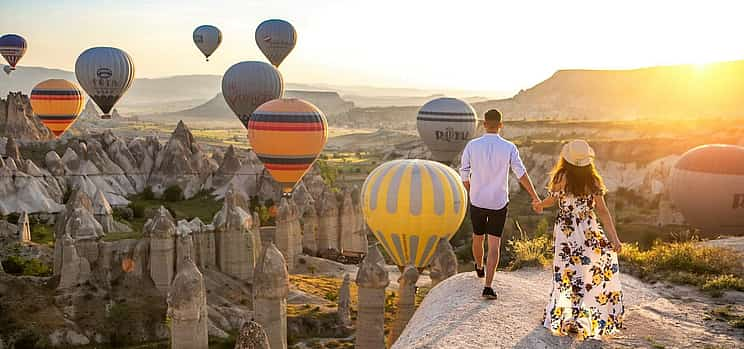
[(485, 172)]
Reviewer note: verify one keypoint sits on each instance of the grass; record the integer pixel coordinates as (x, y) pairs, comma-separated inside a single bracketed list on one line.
[(712, 269), (531, 252), (18, 265), (203, 206), (42, 234), (729, 314)]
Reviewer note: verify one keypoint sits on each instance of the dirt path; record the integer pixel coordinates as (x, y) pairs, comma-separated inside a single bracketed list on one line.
[(454, 315)]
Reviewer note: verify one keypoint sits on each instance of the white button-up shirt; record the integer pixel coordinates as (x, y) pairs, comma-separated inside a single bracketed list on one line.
[(486, 162)]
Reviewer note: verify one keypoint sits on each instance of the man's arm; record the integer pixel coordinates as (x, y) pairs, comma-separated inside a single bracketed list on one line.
[(521, 172), (465, 167)]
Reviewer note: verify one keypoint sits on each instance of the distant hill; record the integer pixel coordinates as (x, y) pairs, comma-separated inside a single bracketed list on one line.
[(713, 90), (216, 108)]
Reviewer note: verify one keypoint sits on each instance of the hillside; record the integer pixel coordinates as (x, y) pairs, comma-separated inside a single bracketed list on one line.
[(682, 91), (216, 108)]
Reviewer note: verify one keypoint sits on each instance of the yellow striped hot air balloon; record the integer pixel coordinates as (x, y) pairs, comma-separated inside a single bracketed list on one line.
[(287, 135), (410, 204), (57, 103)]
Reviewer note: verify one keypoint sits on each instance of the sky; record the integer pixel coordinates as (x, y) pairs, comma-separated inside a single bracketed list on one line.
[(489, 47)]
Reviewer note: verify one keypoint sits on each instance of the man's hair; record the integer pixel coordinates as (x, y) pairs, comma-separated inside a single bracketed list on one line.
[(493, 115)]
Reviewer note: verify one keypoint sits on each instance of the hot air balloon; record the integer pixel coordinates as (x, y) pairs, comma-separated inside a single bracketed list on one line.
[(12, 47), (707, 185), (57, 103), (246, 85), (105, 73), (287, 135), (446, 125), (207, 38), (410, 204), (276, 39)]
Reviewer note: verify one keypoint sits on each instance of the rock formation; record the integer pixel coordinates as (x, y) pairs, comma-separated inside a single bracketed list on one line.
[(352, 234), (229, 166), (24, 228), (187, 308), (270, 290), (443, 263), (161, 232), (328, 222), (103, 212), (238, 244), (406, 301), (181, 163), (252, 336), (372, 279), (74, 268), (17, 119), (344, 302), (310, 231), (288, 235)]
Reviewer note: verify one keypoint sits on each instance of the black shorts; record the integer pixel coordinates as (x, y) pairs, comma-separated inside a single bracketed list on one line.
[(487, 221)]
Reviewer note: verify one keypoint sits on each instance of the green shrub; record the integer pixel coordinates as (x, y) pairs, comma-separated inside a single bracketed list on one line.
[(147, 193), (687, 262), (42, 234), (531, 252), (18, 265), (138, 209), (173, 193)]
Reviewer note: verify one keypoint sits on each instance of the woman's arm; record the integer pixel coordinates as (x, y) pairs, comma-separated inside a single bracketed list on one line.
[(606, 218), (548, 201)]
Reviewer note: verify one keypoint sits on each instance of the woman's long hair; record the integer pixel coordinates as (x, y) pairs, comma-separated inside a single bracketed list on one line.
[(579, 180)]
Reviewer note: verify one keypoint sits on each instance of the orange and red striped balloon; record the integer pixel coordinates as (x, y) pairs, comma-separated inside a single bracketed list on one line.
[(57, 103), (288, 135)]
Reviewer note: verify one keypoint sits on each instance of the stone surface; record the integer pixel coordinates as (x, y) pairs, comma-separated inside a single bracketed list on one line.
[(372, 278), (443, 263), (17, 119), (328, 229), (74, 269), (270, 290), (187, 308), (252, 336)]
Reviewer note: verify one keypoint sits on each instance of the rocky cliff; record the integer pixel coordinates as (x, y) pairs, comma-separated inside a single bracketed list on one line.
[(17, 119)]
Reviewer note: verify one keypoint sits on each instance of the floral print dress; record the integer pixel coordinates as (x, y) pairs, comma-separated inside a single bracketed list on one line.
[(586, 297)]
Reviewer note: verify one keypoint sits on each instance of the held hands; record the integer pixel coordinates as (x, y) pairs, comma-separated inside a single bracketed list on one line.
[(617, 246), (537, 205)]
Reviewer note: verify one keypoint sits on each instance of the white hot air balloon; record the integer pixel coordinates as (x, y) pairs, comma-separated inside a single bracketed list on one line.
[(276, 39), (707, 186), (446, 125), (207, 38), (105, 73), (247, 85)]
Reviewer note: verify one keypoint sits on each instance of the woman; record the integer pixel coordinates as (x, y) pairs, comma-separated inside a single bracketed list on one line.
[(586, 298)]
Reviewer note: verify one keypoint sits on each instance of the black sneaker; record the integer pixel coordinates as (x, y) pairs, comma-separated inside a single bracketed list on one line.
[(480, 272), (488, 293)]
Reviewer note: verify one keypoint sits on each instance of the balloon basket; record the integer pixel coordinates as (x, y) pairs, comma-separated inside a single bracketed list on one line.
[(106, 116)]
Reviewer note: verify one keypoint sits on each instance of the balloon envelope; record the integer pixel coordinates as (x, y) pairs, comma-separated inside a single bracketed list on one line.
[(287, 135), (207, 38), (276, 39), (410, 204), (446, 125), (105, 73), (12, 47), (707, 186), (247, 85), (57, 103)]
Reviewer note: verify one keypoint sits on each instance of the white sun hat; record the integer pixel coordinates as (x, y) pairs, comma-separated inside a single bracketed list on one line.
[(578, 153)]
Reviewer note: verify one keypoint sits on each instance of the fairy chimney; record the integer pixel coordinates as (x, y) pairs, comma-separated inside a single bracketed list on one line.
[(288, 231), (310, 231), (270, 290), (372, 279), (443, 263), (237, 243), (406, 301), (344, 302), (161, 231), (187, 308)]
